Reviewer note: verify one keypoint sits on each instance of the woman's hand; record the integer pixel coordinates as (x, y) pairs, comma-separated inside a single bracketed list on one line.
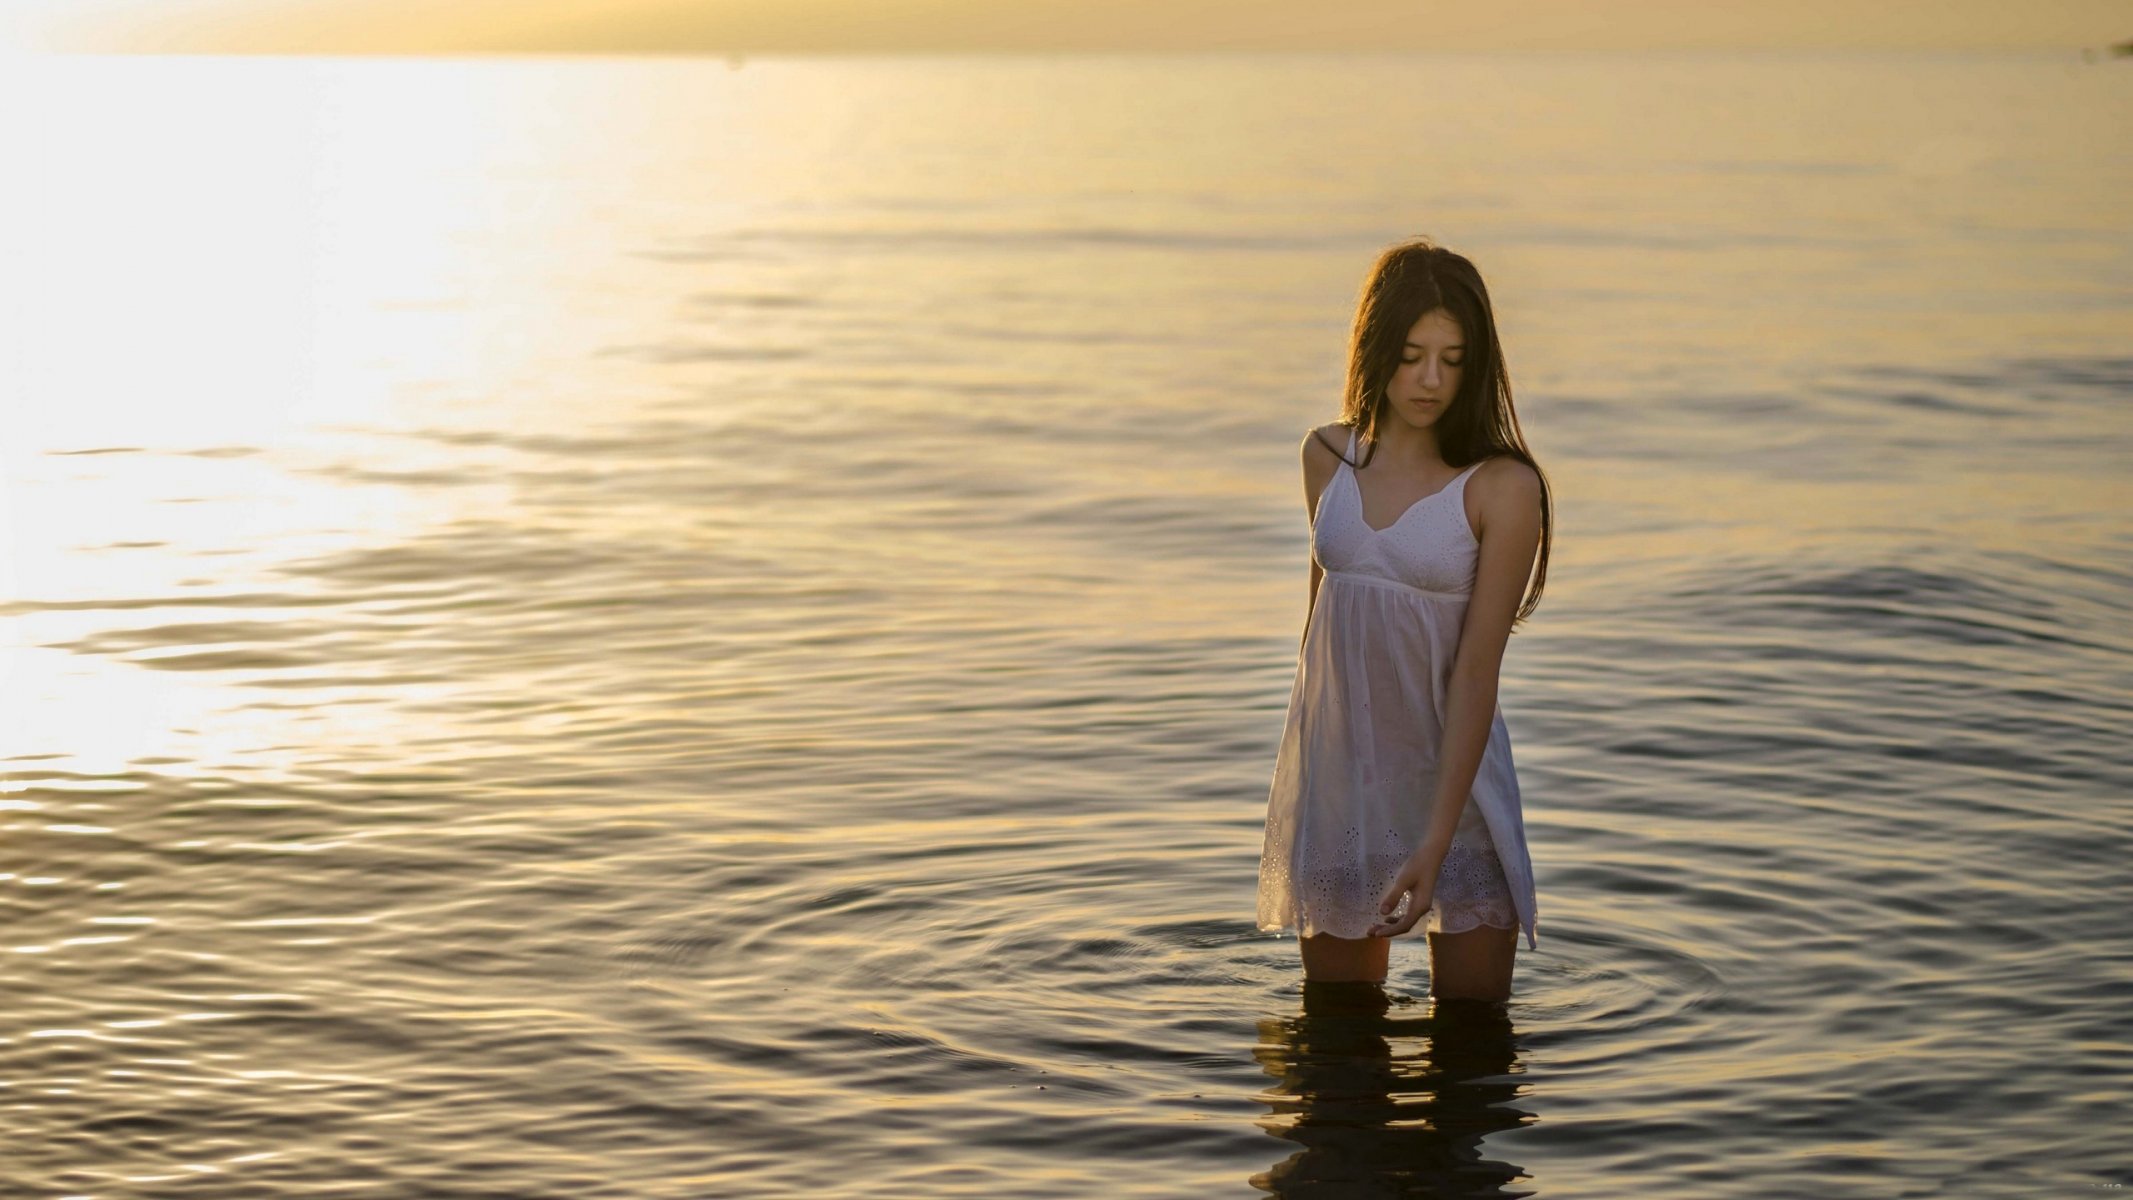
[(1418, 882)]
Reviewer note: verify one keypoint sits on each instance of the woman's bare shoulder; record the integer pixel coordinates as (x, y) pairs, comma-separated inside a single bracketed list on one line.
[(1324, 444), (1502, 472), (1320, 460), (1504, 489)]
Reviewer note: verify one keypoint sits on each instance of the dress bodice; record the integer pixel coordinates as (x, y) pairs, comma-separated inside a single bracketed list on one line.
[(1430, 547)]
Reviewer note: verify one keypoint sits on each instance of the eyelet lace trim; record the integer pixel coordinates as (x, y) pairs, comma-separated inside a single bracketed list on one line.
[(1338, 893), (1471, 889)]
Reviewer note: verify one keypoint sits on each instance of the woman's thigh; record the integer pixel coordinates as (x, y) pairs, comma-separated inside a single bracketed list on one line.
[(1335, 958), (1474, 964)]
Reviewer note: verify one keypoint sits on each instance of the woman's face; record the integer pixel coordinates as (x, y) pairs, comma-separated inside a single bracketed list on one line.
[(1428, 376)]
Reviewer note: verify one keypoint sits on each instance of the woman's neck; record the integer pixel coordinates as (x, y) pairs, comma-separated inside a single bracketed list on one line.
[(1406, 446)]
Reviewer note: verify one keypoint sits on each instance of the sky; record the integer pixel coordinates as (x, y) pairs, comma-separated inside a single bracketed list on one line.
[(421, 27)]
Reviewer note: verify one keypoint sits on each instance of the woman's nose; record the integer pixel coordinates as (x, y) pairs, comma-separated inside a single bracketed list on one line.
[(1429, 373)]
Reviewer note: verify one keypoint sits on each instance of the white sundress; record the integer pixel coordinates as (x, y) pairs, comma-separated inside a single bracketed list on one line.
[(1357, 765)]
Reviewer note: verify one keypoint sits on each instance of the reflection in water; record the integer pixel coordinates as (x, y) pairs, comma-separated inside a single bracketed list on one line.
[(1384, 1104)]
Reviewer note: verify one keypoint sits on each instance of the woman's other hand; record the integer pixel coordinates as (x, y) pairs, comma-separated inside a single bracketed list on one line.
[(1418, 882)]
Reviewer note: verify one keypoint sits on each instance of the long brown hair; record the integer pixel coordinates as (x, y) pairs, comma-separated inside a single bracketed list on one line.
[(1410, 279)]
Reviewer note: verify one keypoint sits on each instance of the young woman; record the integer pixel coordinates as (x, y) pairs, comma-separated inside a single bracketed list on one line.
[(1394, 791)]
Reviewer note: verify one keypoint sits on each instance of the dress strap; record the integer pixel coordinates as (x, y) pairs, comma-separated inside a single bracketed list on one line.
[(1351, 445)]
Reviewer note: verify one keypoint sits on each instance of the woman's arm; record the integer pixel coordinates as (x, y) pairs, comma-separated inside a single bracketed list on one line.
[(1319, 464), (1317, 573), (1508, 495)]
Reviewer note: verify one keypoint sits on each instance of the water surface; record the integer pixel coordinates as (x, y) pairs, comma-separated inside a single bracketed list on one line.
[(664, 629)]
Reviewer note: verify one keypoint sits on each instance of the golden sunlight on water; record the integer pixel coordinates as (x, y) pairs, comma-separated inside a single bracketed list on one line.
[(653, 629)]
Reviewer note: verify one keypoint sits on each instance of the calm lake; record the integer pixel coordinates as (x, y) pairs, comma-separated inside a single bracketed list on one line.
[(683, 628)]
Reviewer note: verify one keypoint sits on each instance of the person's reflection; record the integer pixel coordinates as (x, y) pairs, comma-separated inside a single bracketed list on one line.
[(1389, 1103)]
